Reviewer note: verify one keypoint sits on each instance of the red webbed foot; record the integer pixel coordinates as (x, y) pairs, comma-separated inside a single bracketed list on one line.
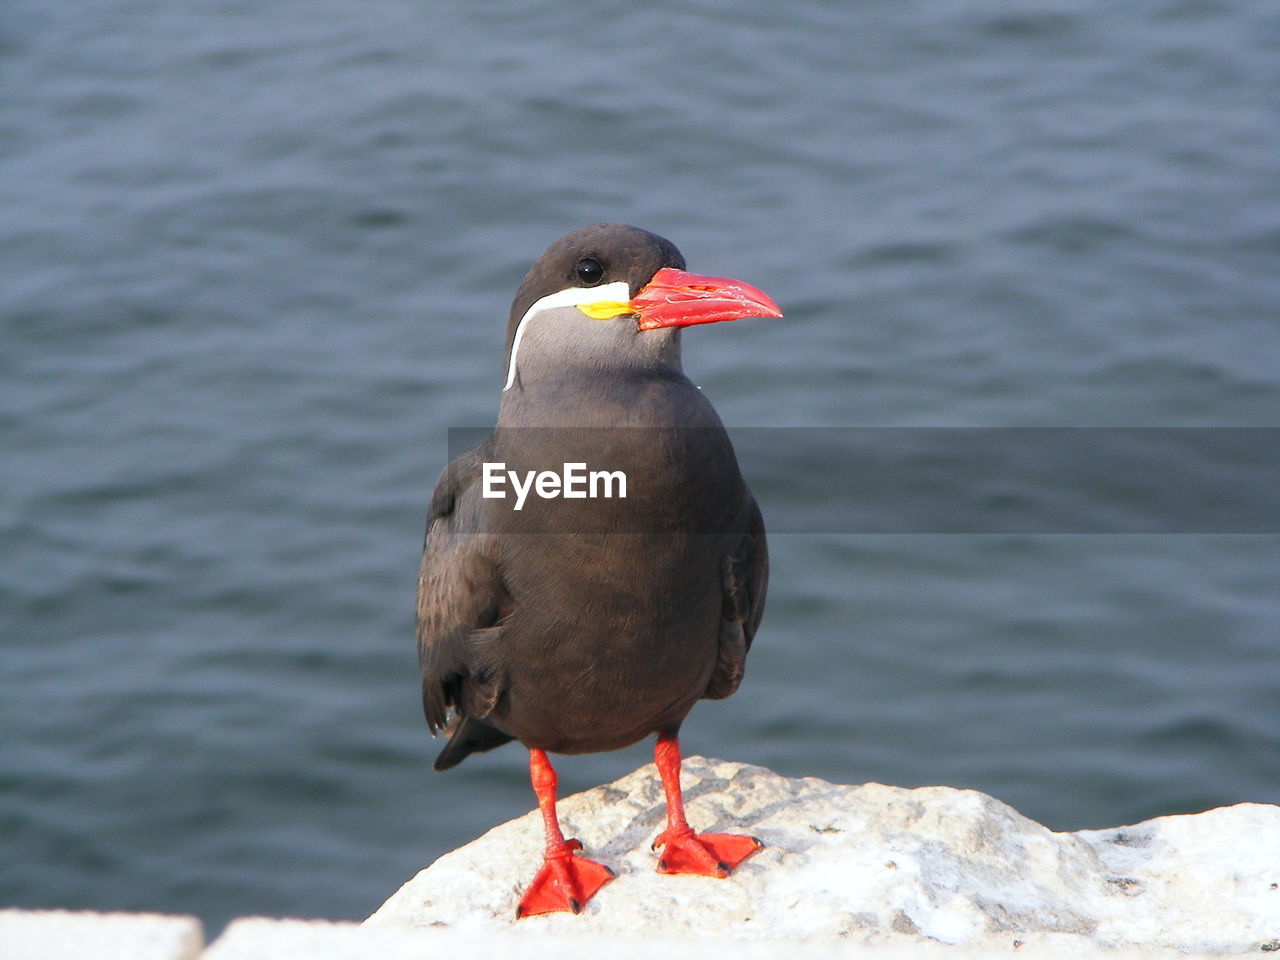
[(565, 883), (703, 854)]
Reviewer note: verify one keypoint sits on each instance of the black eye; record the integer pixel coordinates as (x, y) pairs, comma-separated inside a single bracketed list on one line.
[(589, 270)]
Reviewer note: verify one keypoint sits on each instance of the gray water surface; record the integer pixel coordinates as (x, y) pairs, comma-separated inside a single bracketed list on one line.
[(255, 261)]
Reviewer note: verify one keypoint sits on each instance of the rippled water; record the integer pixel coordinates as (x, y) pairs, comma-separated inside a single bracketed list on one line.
[(257, 260)]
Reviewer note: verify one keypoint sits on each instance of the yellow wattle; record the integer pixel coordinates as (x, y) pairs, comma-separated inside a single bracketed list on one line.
[(605, 309)]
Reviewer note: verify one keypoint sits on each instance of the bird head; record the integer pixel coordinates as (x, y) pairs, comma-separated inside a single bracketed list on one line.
[(606, 294)]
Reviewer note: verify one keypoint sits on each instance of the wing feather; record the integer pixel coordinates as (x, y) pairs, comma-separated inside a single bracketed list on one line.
[(461, 597), (745, 583)]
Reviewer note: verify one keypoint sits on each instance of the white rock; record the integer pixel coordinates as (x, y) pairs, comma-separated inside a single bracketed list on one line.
[(64, 935), (877, 865), (263, 939)]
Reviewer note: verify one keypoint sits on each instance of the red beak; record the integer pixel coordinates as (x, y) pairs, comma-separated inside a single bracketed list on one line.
[(674, 298)]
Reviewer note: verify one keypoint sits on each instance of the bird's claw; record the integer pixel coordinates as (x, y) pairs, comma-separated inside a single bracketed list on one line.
[(565, 883), (704, 854)]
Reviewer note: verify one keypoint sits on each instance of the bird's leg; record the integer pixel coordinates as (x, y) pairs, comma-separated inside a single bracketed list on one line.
[(706, 854), (566, 881)]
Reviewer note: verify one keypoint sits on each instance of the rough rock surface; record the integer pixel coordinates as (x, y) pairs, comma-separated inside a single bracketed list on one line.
[(878, 865)]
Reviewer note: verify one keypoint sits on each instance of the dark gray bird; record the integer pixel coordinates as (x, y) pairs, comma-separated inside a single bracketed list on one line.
[(578, 624)]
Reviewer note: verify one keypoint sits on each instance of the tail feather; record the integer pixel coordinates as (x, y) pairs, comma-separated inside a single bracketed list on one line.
[(470, 736)]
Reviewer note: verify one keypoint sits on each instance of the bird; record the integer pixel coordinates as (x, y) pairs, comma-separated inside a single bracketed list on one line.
[(578, 624)]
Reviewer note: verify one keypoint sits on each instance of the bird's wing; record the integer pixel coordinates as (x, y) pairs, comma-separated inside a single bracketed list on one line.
[(745, 582), (461, 598)]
